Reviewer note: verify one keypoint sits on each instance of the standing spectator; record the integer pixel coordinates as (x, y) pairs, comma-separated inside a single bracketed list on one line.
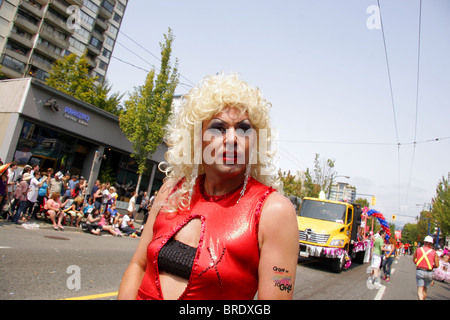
[(56, 184), (21, 196), (3, 186), (12, 177), (389, 257), (71, 184), (98, 197), (132, 203), (34, 168), (426, 260), (95, 188), (32, 195), (144, 203), (374, 279)]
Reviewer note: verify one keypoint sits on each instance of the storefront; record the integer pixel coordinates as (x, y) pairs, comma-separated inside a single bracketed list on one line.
[(39, 124)]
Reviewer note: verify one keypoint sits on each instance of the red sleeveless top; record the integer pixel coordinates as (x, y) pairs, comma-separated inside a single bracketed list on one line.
[(226, 262)]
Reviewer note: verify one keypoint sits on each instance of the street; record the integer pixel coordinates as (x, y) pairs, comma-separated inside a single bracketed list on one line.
[(44, 264)]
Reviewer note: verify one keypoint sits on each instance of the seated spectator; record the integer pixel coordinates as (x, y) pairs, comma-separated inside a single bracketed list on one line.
[(127, 224), (115, 216), (92, 222), (54, 209), (105, 223), (88, 207), (74, 211)]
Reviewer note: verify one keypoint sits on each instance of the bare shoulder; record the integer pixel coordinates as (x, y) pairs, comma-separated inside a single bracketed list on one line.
[(278, 217), (278, 206)]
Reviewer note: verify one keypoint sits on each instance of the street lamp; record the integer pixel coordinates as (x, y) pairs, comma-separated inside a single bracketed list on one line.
[(331, 183)]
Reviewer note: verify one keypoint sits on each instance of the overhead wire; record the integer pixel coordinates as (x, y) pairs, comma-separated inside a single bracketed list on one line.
[(392, 101), (417, 98)]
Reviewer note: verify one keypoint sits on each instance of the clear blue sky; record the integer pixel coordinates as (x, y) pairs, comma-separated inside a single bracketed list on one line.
[(325, 73)]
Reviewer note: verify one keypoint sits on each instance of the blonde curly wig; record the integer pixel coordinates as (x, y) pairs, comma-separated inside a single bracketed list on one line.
[(203, 102)]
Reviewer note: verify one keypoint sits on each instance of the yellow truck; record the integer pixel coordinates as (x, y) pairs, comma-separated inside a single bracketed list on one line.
[(330, 230)]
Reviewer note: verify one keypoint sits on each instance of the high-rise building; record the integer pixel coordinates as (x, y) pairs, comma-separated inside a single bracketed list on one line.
[(35, 33)]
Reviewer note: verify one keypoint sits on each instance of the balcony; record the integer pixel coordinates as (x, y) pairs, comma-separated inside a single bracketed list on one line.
[(60, 7), (19, 56), (22, 40), (78, 3), (56, 22), (94, 50), (101, 24), (63, 44), (47, 52), (11, 73), (38, 64), (31, 9), (105, 13), (26, 25), (42, 2)]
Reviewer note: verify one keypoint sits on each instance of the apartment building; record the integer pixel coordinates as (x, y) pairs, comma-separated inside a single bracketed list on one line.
[(35, 33)]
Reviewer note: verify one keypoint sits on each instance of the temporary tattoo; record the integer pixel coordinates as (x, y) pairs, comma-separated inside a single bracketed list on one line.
[(282, 280)]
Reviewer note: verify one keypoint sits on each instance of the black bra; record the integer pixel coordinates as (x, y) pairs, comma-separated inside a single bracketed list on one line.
[(177, 258)]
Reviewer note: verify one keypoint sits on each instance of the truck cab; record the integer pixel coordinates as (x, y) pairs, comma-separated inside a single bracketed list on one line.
[(328, 230)]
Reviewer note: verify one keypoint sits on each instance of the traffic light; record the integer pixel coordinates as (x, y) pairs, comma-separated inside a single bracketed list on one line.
[(393, 217), (374, 201)]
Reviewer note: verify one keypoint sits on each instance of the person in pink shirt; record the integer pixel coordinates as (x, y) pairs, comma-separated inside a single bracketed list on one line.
[(54, 207)]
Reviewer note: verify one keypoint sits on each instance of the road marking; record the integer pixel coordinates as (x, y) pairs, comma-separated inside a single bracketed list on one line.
[(5, 247), (380, 293), (95, 296)]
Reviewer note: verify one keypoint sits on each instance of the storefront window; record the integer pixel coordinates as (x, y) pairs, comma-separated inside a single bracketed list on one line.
[(50, 149)]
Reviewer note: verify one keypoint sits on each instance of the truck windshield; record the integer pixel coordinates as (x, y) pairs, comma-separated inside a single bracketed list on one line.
[(323, 210)]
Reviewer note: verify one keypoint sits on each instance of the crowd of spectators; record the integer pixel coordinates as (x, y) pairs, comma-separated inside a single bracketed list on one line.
[(63, 200)]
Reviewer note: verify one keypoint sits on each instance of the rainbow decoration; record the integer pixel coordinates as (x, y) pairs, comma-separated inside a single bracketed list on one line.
[(384, 224)]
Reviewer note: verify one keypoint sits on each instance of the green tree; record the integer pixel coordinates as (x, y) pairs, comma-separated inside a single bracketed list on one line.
[(148, 108), (71, 75), (291, 185), (323, 173), (440, 210), (410, 233), (102, 98)]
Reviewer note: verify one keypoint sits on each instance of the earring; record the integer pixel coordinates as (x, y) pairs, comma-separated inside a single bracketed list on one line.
[(247, 175), (194, 176)]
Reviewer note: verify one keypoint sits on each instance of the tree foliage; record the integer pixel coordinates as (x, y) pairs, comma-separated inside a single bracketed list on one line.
[(440, 211), (71, 75), (149, 106)]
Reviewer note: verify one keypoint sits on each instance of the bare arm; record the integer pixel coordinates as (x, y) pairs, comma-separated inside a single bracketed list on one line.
[(278, 236)]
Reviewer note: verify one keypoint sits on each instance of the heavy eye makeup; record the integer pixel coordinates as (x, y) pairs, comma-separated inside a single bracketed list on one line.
[(217, 124)]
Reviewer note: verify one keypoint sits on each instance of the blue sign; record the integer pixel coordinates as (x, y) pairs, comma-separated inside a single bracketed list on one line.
[(76, 115)]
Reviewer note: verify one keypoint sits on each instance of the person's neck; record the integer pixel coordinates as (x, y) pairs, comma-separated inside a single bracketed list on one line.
[(218, 185)]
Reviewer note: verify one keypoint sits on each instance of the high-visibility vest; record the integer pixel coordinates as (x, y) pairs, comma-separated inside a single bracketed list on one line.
[(425, 260)]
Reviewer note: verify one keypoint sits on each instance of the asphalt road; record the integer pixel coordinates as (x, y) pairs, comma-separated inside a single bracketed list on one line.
[(45, 264)]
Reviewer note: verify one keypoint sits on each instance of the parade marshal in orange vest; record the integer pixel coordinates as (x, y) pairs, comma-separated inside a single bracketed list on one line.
[(426, 260)]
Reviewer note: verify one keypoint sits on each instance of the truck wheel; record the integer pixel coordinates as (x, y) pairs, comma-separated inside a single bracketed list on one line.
[(337, 265)]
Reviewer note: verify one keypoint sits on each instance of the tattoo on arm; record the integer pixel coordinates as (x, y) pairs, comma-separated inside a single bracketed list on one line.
[(281, 279)]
